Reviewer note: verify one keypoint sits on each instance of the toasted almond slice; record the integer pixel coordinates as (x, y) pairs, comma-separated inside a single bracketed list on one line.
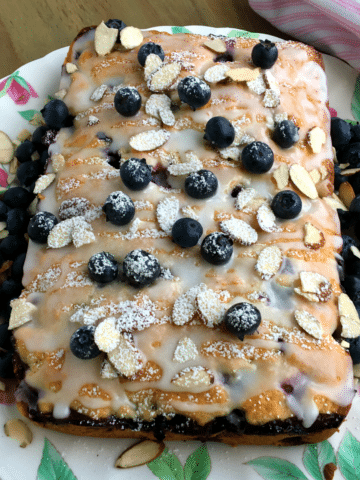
[(210, 308), (216, 74), (346, 306), (185, 350), (350, 327), (239, 231), (315, 175), (192, 164), (193, 377), (281, 176), (216, 45), (343, 166), (345, 344), (130, 37), (152, 63), (312, 297), (6, 148), (184, 307), (98, 93), (14, 165), (243, 74), (21, 312), (334, 202), (107, 336), (317, 139), (61, 234), (309, 323), (139, 454), (313, 237), (266, 219), (105, 39), (2, 226), (71, 67), (60, 95), (18, 430), (312, 282), (3, 234), (107, 370), (125, 358), (149, 140), (269, 262), (303, 181), (82, 232), (271, 98), (270, 80), (232, 153), (324, 172), (346, 193), (164, 77), (189, 212), (2, 386), (244, 197), (167, 212), (43, 182), (57, 162), (355, 251), (258, 85), (350, 171), (92, 120), (158, 106)]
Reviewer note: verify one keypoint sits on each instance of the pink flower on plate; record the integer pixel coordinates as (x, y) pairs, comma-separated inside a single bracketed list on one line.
[(3, 177), (333, 112), (18, 89)]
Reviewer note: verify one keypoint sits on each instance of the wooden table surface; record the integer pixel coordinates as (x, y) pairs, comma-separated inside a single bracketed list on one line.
[(29, 29)]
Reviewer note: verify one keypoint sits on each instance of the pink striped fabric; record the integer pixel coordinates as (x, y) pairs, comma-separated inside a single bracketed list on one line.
[(332, 26)]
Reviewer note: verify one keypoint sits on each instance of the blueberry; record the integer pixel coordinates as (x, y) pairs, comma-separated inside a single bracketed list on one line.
[(357, 224), (216, 248), (186, 232), (355, 205), (119, 208), (346, 219), (127, 101), (17, 220), (44, 158), (3, 210), (201, 184), (135, 174), (339, 178), (10, 288), (224, 57), (6, 364), (103, 268), (115, 23), (140, 268), (242, 319), (104, 137), (219, 132), (147, 49), (12, 245), (354, 180), (18, 197), (340, 132), (82, 343), (24, 151), (285, 134), (257, 157), (55, 114), (17, 268), (40, 226), (264, 54), (286, 204), (354, 349), (2, 259), (350, 154), (352, 287), (194, 91), (348, 242), (5, 336), (38, 136), (352, 267), (28, 172), (355, 132)]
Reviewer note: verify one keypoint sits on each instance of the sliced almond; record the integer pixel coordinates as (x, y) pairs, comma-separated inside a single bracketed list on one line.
[(164, 77), (6, 148), (60, 95), (14, 165), (243, 74), (98, 93), (313, 237), (271, 98), (70, 67), (191, 164), (216, 74), (349, 317), (152, 63), (239, 231), (266, 219), (193, 377), (107, 370), (281, 176), (82, 232), (139, 454), (355, 251), (149, 140), (350, 171), (216, 45), (309, 323), (334, 202), (317, 138), (230, 153), (312, 282), (244, 197), (43, 182), (324, 172), (92, 120), (125, 358), (345, 344), (167, 212), (105, 39), (185, 350), (184, 307), (270, 80), (269, 262), (158, 106), (21, 312), (57, 162), (18, 430), (2, 226), (2, 386), (61, 234), (210, 308), (303, 181), (315, 175), (130, 37), (189, 212), (258, 85), (312, 297), (346, 193), (107, 336)]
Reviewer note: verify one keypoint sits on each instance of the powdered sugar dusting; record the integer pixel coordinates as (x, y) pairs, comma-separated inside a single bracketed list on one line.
[(167, 212)]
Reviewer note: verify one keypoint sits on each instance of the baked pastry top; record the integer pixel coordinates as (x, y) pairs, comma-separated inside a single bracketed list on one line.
[(165, 348)]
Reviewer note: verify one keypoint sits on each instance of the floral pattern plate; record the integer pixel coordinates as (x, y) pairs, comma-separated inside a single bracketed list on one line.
[(56, 456)]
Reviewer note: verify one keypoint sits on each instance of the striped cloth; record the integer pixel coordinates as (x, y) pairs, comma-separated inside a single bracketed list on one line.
[(332, 26)]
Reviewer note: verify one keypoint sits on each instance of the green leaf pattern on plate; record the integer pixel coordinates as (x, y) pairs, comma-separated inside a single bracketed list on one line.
[(53, 466), (272, 468), (167, 466), (349, 457), (355, 102), (316, 456), (242, 33), (29, 114), (198, 464)]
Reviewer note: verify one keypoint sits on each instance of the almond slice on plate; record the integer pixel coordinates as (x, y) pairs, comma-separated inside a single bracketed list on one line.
[(139, 454), (266, 219), (185, 350), (18, 430), (6, 148), (210, 308), (309, 323), (317, 139), (130, 37), (243, 74), (313, 237), (193, 377), (349, 317), (281, 176), (303, 181), (216, 45), (21, 312), (105, 39), (184, 307), (269, 262), (164, 77)]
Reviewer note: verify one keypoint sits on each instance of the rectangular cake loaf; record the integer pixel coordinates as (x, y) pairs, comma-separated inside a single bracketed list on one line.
[(225, 326)]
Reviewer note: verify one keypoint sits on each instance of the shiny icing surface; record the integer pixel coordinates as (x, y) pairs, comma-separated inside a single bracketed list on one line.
[(278, 372)]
